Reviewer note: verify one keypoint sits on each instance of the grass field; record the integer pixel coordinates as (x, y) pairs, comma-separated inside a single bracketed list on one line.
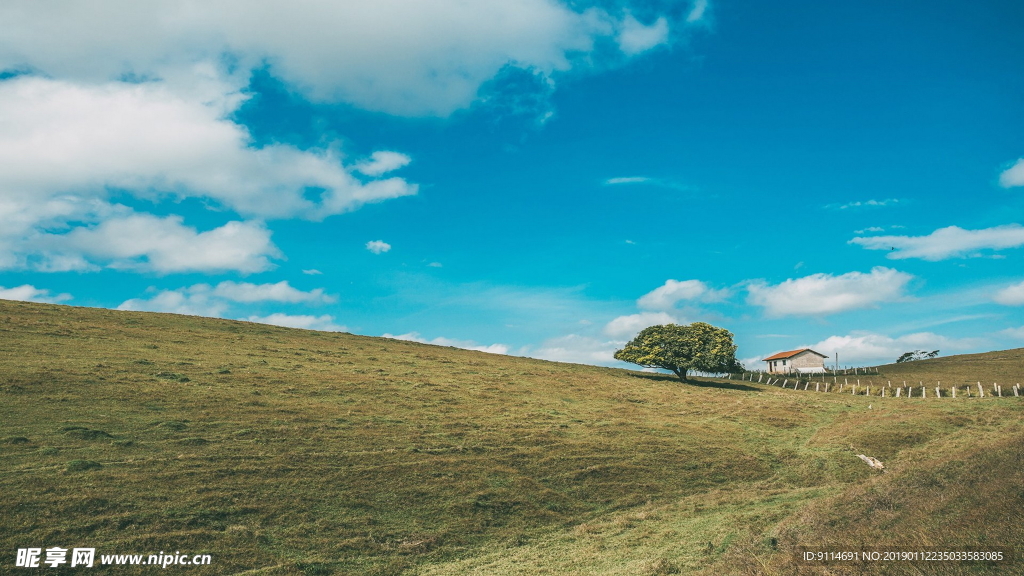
[(281, 451)]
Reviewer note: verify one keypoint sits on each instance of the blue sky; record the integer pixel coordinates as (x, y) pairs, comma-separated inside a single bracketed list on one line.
[(535, 178)]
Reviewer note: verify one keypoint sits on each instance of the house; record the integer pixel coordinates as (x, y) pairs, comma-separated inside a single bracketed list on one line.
[(801, 361)]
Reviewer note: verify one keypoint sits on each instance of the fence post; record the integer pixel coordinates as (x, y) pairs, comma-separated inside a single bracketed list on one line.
[(1015, 390), (817, 389), (883, 392), (759, 378), (898, 390), (806, 384), (923, 394), (938, 394), (981, 391), (999, 390), (953, 390)]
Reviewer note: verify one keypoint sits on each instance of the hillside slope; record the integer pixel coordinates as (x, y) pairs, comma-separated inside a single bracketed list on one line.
[(281, 451), (1004, 366)]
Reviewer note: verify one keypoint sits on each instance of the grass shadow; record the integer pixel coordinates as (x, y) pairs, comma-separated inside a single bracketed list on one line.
[(692, 382)]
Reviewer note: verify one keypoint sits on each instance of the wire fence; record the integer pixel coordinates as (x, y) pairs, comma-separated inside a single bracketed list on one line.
[(835, 383)]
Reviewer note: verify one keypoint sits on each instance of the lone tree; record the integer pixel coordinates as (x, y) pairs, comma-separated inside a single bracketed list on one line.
[(916, 355), (698, 346)]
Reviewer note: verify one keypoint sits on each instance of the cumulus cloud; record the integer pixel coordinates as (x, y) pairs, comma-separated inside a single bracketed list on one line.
[(1011, 295), (1013, 176), (945, 243), (398, 56), (144, 242), (870, 229), (696, 14), (754, 363), (68, 147), (196, 300), (382, 162), (635, 37), (666, 296), (867, 347), (865, 204), (1015, 333), (29, 293), (577, 349), (629, 325), (207, 300), (324, 323), (137, 98), (442, 341), (62, 139), (378, 246), (820, 294), (279, 292)]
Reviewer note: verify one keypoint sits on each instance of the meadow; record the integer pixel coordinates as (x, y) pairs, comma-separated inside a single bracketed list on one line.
[(281, 451)]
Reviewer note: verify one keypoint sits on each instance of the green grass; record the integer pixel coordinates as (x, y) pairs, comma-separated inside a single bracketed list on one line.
[(282, 451)]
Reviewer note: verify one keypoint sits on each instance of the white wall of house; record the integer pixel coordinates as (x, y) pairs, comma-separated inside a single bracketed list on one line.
[(805, 363)]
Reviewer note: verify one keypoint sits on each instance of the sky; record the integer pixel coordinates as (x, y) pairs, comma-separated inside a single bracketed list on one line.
[(536, 178)]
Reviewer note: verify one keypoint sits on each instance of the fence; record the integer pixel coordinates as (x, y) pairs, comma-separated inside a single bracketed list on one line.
[(842, 385), (832, 371)]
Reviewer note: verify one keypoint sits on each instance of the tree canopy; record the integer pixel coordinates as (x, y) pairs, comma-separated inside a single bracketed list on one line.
[(916, 355), (682, 348)]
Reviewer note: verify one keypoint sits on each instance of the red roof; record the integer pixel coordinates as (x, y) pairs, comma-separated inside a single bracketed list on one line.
[(792, 353)]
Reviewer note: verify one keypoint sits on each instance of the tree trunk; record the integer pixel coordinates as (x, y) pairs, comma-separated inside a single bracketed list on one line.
[(681, 373)]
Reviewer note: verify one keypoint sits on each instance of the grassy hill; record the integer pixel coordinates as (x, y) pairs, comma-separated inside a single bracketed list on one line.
[(1004, 366), (281, 451)]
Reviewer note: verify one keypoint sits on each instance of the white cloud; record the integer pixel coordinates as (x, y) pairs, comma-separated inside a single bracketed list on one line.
[(64, 139), (820, 294), (635, 37), (68, 146), (869, 230), (398, 56), (667, 295), (29, 293), (1016, 333), (442, 341), (628, 326), (865, 204), (577, 349), (324, 323), (206, 300), (627, 180), (144, 242), (378, 246), (312, 272), (754, 363), (435, 265), (867, 347), (196, 300), (382, 162), (279, 292), (697, 12), (1013, 176), (1011, 295), (944, 243)]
